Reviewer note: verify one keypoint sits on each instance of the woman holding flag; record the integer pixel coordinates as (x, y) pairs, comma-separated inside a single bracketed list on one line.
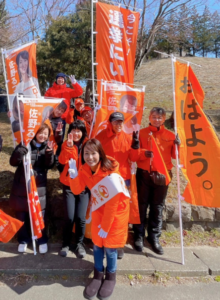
[(42, 159), (110, 212), (152, 183)]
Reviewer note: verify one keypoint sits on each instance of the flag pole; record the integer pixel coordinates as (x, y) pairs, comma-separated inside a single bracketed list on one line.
[(173, 59), (6, 86), (26, 163)]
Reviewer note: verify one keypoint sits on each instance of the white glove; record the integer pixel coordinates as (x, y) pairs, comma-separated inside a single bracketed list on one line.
[(72, 79), (72, 169), (102, 233)]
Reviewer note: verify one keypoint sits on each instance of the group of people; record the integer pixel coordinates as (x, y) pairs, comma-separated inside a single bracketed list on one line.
[(86, 164)]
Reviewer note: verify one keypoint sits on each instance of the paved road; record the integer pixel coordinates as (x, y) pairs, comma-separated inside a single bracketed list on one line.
[(71, 291)]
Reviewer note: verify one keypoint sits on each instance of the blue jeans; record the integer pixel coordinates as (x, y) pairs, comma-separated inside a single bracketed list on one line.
[(111, 256)]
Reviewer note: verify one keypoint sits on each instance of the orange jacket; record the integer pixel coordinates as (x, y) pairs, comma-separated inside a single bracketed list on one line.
[(65, 155), (165, 141), (113, 215), (70, 116), (118, 146)]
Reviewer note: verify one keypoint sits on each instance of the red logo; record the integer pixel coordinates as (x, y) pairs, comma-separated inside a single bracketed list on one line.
[(103, 191)]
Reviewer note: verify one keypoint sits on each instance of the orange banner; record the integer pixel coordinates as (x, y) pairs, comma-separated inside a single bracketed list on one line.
[(35, 208), (8, 227), (22, 71), (34, 113), (117, 30), (200, 147), (117, 97)]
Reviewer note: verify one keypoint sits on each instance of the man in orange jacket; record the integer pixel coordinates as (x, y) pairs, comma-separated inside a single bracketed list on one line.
[(149, 192), (118, 144)]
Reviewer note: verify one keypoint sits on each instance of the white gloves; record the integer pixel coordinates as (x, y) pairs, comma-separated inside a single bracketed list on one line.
[(72, 79), (72, 169), (102, 233)]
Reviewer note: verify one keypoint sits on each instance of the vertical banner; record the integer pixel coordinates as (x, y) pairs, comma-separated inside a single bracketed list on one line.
[(200, 147), (20, 64), (117, 97), (33, 112), (117, 30)]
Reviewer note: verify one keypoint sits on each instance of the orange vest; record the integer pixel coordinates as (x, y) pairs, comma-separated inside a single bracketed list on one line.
[(165, 141), (112, 216)]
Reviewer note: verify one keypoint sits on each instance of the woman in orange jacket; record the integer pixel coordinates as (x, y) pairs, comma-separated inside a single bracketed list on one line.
[(110, 212), (150, 193), (119, 145), (75, 205)]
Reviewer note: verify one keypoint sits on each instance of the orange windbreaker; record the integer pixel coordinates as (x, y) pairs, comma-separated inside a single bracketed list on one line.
[(118, 146), (69, 117), (65, 155), (113, 215), (165, 141)]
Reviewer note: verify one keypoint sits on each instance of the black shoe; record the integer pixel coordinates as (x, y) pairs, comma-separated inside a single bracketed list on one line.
[(80, 251), (120, 253), (138, 244), (64, 251), (156, 246), (93, 287), (107, 287)]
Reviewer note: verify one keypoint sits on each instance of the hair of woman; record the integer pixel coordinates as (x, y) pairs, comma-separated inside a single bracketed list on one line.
[(25, 55), (80, 125), (42, 127), (96, 146)]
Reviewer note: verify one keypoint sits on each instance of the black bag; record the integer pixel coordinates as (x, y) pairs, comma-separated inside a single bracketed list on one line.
[(157, 178)]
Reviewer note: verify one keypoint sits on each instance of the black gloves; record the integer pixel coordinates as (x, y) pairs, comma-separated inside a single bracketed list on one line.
[(177, 140), (135, 140), (149, 154), (22, 149)]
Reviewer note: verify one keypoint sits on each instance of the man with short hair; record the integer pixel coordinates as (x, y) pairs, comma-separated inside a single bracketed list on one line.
[(150, 193)]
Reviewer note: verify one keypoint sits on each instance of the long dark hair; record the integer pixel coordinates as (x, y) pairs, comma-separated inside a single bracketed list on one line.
[(96, 146), (80, 125), (25, 55)]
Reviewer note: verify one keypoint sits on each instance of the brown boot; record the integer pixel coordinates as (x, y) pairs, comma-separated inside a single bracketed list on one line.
[(92, 289), (107, 287)]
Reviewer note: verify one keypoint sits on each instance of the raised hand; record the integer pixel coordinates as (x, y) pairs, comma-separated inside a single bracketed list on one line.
[(50, 146), (135, 140), (59, 126), (72, 79), (72, 169), (70, 140)]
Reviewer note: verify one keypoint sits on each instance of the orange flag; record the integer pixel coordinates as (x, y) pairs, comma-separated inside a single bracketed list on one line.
[(116, 38), (8, 227), (36, 214), (158, 163), (200, 147)]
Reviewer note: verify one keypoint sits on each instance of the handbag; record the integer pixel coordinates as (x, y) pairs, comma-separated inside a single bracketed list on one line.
[(157, 178)]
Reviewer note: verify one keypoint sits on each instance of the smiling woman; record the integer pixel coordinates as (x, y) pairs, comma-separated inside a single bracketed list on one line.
[(28, 85)]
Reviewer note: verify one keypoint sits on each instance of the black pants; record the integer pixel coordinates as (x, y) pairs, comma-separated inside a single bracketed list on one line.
[(75, 212), (152, 195), (24, 233)]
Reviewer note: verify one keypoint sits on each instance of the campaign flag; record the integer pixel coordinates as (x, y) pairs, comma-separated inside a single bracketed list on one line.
[(8, 227), (116, 38), (35, 111), (200, 147), (117, 97), (34, 203), (158, 163)]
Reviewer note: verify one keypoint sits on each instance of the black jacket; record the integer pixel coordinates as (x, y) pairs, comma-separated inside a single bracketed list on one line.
[(41, 161)]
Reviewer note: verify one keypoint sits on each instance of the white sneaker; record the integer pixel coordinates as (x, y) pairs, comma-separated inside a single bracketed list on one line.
[(43, 248), (22, 248)]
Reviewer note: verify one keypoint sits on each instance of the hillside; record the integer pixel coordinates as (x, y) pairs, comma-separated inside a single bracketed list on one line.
[(157, 76)]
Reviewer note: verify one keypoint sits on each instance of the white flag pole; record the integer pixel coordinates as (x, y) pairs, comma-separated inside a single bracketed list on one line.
[(6, 86), (26, 163), (173, 60)]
